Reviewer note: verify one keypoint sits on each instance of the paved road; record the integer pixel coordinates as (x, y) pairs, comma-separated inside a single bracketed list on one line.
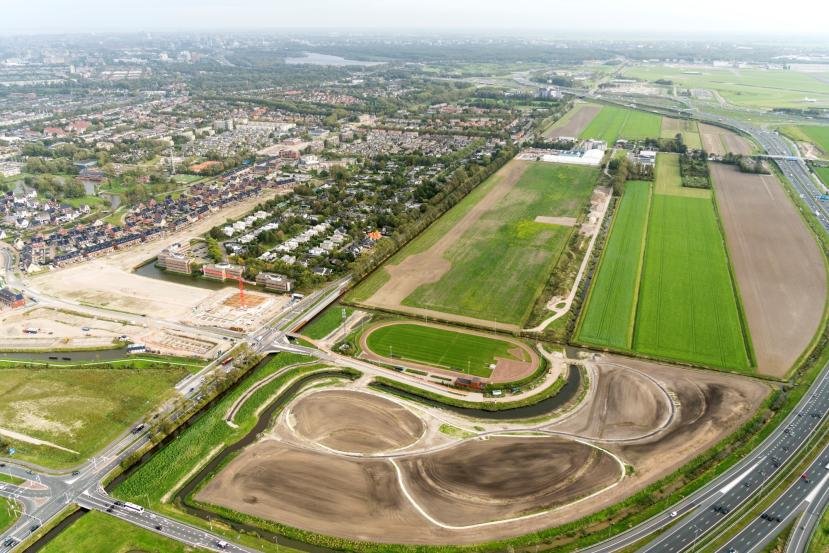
[(804, 495)]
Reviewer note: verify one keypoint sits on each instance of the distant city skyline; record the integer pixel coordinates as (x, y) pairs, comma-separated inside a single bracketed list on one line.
[(540, 16)]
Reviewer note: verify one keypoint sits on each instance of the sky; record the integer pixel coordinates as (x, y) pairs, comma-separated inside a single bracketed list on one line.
[(793, 17)]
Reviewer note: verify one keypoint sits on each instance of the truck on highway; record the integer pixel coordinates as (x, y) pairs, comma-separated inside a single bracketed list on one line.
[(133, 507)]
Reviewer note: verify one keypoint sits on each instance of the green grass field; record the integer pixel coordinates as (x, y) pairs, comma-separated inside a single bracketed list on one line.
[(669, 181), (613, 123), (499, 266), (326, 322), (439, 347), (757, 88), (8, 513), (687, 307), (820, 539), (97, 532), (823, 174), (816, 134), (611, 306), (677, 301), (8, 479), (80, 409)]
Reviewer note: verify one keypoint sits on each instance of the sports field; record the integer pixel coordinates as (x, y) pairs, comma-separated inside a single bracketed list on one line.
[(683, 295), (613, 123), (611, 304), (439, 347), (97, 532), (687, 306), (487, 260)]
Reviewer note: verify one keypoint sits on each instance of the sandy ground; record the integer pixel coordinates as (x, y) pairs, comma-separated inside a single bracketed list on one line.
[(506, 370), (355, 422), (582, 115), (100, 282), (626, 404), (58, 329), (719, 141), (778, 265), (430, 265), (563, 221), (653, 416)]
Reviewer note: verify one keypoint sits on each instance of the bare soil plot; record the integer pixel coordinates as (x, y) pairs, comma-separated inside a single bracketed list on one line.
[(573, 122), (626, 404), (720, 141), (499, 478), (564, 221), (777, 263), (357, 498), (355, 422)]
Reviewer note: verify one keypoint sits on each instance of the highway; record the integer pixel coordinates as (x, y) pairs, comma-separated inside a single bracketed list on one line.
[(806, 494)]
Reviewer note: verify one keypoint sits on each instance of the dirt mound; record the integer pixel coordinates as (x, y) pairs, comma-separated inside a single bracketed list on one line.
[(484, 480), (355, 422)]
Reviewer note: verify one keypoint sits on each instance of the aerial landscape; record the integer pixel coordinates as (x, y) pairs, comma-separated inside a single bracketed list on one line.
[(414, 277)]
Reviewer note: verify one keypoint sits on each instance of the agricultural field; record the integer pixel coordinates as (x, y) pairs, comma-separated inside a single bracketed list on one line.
[(96, 532), (688, 128), (487, 260), (611, 306), (687, 307), (326, 322), (57, 417), (669, 180), (613, 123), (815, 134), (440, 347), (573, 122), (744, 87), (685, 303)]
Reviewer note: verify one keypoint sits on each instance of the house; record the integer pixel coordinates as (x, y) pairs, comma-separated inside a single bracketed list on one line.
[(10, 298)]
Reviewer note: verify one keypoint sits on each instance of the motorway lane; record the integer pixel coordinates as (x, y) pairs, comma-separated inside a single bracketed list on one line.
[(711, 510), (801, 495), (159, 524), (808, 522)]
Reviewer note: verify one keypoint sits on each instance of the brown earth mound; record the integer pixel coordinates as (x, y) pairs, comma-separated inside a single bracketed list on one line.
[(355, 422), (484, 480)]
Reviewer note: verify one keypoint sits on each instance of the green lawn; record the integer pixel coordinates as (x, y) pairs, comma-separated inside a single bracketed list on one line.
[(820, 539), (9, 479), (80, 409), (818, 135), (326, 322), (823, 174), (97, 532), (669, 180), (613, 123), (500, 265), (8, 513), (611, 305), (91, 201), (439, 347), (687, 308)]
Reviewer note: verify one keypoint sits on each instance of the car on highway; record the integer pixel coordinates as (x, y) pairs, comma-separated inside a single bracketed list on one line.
[(9, 542), (674, 514), (34, 527)]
